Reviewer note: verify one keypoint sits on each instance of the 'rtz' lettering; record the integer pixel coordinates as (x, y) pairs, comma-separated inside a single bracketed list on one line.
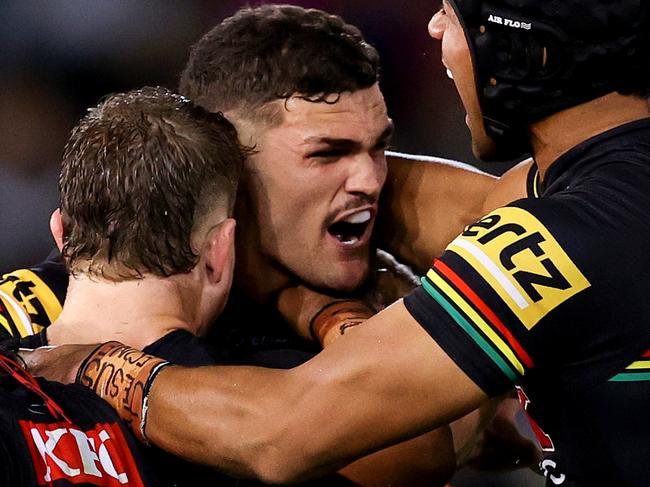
[(522, 261), (61, 451), (531, 243)]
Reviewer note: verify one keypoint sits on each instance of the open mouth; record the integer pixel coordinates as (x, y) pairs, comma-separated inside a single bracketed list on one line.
[(351, 229)]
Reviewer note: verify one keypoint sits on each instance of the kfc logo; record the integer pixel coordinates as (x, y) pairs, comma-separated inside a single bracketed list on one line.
[(99, 457)]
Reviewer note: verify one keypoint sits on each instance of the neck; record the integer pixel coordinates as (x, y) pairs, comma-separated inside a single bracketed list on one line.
[(256, 275), (553, 136), (135, 312)]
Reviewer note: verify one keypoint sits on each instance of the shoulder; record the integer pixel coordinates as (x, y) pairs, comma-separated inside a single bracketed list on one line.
[(31, 299), (511, 186), (532, 236), (182, 348)]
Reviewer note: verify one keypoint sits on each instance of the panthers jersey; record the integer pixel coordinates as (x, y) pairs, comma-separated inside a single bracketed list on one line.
[(63, 436), (31, 299), (552, 292)]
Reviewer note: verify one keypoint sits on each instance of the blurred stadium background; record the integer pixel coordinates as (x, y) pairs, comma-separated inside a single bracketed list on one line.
[(58, 58)]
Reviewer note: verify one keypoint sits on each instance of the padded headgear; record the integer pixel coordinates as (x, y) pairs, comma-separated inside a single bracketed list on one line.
[(533, 58)]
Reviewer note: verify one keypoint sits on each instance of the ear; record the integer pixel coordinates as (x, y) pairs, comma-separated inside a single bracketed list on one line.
[(219, 251), (56, 227)]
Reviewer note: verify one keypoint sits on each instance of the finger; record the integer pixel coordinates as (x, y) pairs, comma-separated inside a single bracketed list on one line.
[(42, 361)]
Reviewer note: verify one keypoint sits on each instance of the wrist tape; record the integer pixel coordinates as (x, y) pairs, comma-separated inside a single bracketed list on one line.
[(122, 376), (335, 318)]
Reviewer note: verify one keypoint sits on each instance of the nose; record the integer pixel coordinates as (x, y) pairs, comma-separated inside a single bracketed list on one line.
[(367, 175), (436, 25)]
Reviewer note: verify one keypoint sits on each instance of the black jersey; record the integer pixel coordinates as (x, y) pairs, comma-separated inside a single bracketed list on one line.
[(31, 299), (179, 347), (63, 436), (255, 334), (29, 444), (552, 292)]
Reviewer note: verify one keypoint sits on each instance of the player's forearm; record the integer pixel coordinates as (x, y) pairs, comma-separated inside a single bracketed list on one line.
[(224, 417), (426, 203), (467, 430), (386, 382), (425, 461), (216, 416), (267, 424)]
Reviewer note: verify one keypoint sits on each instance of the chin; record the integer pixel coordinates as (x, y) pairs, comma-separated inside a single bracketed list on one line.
[(350, 285), (346, 281)]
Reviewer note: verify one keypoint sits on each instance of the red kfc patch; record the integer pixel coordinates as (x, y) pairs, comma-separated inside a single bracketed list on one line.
[(61, 451)]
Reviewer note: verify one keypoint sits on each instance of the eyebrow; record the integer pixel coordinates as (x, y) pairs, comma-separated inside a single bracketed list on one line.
[(385, 136)]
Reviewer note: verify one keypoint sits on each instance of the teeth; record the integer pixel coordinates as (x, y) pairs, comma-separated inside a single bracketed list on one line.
[(348, 240), (449, 73), (361, 217)]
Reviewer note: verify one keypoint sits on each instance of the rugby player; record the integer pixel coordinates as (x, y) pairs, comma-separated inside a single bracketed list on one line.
[(524, 295), (140, 273)]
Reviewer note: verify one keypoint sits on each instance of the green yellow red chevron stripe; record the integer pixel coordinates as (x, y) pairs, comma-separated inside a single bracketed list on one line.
[(639, 370), (477, 319)]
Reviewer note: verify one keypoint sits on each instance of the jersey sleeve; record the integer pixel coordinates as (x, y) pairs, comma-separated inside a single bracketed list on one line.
[(27, 304), (528, 288)]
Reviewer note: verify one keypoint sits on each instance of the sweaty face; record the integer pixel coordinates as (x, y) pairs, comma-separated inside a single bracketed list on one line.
[(312, 190), (445, 27)]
